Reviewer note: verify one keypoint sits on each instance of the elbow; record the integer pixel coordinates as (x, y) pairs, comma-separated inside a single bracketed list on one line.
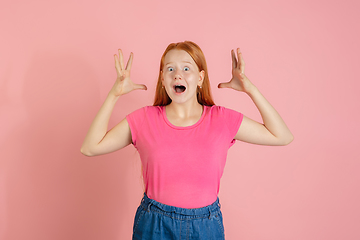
[(288, 140), (283, 140), (86, 152)]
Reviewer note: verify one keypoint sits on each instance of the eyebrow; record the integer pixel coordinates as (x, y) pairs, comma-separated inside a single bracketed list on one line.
[(182, 61)]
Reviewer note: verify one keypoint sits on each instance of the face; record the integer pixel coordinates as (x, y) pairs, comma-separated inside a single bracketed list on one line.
[(181, 76)]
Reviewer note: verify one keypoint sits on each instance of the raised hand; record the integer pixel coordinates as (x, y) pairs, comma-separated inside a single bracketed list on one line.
[(123, 83), (238, 81)]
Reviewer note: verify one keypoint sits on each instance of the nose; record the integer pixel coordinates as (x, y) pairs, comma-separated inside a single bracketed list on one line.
[(177, 75)]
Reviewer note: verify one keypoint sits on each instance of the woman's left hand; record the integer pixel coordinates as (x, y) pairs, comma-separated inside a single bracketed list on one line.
[(238, 81)]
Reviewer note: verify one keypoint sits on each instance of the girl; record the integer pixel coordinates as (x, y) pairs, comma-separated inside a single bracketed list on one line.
[(183, 141)]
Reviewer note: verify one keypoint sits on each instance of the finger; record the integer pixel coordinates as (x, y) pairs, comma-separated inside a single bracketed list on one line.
[(129, 63), (140, 87), (224, 85), (117, 65), (121, 59), (238, 55), (241, 62), (116, 61), (233, 57)]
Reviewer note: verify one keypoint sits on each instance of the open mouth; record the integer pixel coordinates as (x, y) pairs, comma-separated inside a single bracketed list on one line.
[(179, 88)]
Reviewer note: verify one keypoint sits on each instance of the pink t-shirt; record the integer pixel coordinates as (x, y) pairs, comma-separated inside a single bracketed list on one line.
[(182, 166)]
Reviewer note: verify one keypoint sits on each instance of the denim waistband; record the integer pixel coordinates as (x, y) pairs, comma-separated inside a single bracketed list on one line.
[(208, 211)]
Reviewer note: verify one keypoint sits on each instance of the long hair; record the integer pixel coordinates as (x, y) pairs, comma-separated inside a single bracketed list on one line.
[(203, 94)]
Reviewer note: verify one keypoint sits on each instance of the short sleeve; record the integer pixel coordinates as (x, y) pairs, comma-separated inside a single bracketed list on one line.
[(233, 121), (135, 120)]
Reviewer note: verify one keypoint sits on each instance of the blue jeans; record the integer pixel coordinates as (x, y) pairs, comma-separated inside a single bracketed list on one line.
[(154, 220)]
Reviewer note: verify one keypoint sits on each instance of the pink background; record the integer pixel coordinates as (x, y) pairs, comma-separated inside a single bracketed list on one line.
[(56, 68)]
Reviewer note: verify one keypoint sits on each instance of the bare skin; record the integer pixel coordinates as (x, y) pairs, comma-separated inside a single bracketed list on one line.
[(98, 140), (274, 130), (184, 110), (180, 68)]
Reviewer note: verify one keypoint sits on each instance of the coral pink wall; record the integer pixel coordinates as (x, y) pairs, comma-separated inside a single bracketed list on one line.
[(56, 68)]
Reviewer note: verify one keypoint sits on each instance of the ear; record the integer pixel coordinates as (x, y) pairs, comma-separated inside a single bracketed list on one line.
[(162, 77), (202, 76)]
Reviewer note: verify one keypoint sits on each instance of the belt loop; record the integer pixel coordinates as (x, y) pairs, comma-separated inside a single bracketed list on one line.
[(148, 208), (209, 213)]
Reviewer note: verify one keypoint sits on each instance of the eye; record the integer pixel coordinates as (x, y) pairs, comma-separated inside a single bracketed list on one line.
[(170, 69), (186, 68)]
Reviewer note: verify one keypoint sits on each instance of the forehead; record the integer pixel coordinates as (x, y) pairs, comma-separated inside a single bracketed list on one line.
[(176, 55)]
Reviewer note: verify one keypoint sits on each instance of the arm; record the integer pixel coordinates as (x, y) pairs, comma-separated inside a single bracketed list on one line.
[(98, 140), (274, 130)]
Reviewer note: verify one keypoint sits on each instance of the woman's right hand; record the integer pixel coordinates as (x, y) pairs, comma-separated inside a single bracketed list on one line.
[(123, 83)]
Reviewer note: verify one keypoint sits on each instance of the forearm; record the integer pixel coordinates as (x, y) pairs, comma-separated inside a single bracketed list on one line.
[(271, 118), (99, 126)]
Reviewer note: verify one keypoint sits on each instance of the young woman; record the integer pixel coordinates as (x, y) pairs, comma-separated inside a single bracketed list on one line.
[(183, 141)]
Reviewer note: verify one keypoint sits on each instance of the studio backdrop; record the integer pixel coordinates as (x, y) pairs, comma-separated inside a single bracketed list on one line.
[(57, 67)]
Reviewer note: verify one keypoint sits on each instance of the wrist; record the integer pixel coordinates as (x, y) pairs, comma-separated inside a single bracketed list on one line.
[(253, 90), (112, 96)]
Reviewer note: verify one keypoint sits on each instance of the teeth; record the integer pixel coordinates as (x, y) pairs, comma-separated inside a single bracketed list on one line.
[(179, 88)]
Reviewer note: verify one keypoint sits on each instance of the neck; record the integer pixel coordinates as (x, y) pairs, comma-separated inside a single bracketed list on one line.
[(186, 110)]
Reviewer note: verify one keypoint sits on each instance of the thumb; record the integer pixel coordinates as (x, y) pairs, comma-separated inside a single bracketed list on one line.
[(224, 85), (140, 87)]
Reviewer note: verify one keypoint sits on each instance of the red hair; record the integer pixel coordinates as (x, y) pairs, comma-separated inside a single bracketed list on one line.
[(203, 94)]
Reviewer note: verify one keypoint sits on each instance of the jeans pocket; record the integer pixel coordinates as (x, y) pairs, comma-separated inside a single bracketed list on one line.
[(138, 216), (219, 220)]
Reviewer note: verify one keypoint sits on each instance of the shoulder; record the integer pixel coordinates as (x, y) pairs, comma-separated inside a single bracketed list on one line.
[(148, 113), (226, 116), (137, 118), (216, 110), (145, 111)]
